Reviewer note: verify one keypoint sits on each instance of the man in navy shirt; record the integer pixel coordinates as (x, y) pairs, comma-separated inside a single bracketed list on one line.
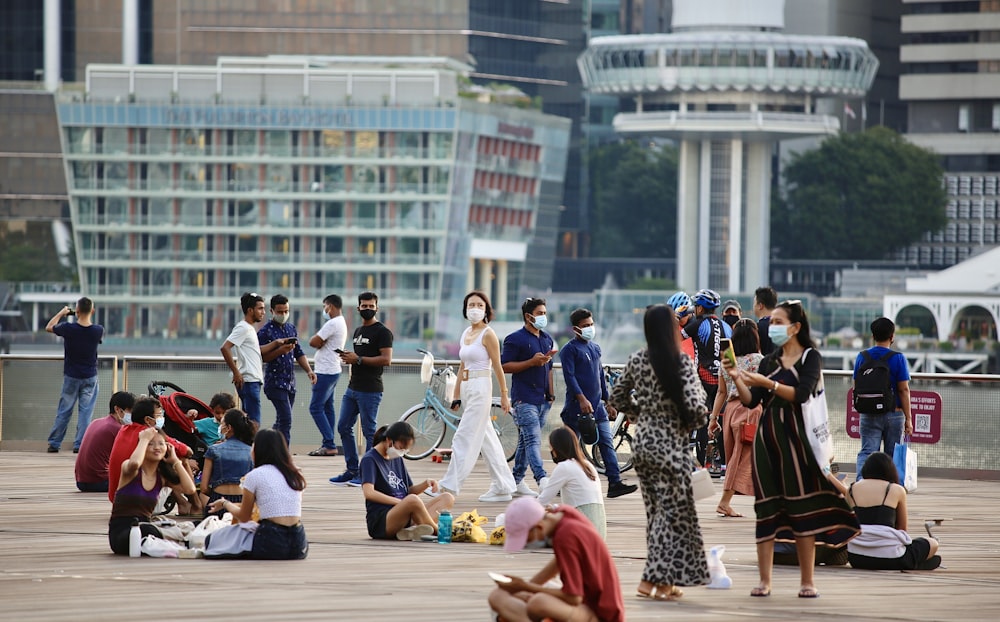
[(527, 356), (279, 364), (587, 393), (80, 341)]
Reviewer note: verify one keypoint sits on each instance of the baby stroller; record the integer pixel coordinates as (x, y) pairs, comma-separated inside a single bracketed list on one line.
[(177, 423)]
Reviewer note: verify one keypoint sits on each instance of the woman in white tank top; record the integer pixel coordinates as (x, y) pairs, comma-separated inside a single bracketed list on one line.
[(480, 354)]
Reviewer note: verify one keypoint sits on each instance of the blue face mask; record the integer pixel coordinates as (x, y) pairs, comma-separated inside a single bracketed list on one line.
[(778, 334), (127, 418), (159, 423), (587, 332), (540, 321)]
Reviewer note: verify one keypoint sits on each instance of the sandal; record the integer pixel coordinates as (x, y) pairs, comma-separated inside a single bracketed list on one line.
[(727, 513), (323, 451), (761, 591), (808, 592), (662, 593)]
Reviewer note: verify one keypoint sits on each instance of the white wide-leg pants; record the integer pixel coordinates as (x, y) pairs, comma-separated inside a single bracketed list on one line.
[(475, 434)]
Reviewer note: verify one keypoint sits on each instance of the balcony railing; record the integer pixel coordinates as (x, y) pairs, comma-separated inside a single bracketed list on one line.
[(315, 190), (240, 258), (318, 225), (253, 153)]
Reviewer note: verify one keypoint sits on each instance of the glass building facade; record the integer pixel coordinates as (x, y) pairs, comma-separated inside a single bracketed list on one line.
[(191, 185)]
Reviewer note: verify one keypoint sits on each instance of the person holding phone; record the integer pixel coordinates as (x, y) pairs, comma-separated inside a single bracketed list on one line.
[(329, 342), (527, 356), (279, 363)]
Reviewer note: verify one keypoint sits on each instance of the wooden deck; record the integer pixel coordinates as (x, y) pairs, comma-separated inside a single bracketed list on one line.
[(56, 564)]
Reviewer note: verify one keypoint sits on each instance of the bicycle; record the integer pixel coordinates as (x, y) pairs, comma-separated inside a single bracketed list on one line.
[(621, 438), (431, 418)]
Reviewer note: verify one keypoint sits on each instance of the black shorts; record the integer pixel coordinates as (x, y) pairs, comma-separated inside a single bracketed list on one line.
[(914, 558), (376, 524)]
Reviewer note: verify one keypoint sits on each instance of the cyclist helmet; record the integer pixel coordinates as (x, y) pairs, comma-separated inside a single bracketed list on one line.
[(706, 298), (679, 301)]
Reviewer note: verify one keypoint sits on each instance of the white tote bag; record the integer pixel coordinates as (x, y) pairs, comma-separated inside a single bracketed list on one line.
[(817, 421)]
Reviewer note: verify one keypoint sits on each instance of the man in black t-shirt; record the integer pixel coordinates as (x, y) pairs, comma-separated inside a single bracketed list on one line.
[(372, 354), (765, 299)]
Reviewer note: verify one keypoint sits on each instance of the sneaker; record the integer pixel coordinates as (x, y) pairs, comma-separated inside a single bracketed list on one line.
[(542, 483), (343, 478), (523, 490), (414, 532), (356, 482), (491, 496), (76, 450), (620, 488), (53, 450)]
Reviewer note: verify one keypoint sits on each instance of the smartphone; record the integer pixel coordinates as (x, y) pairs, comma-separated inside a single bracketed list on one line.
[(499, 578), (727, 349), (291, 340), (338, 350)]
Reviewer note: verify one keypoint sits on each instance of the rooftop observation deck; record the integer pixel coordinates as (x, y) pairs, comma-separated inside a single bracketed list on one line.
[(57, 564)]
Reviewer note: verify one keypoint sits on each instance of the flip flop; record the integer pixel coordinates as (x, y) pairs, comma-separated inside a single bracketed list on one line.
[(730, 513), (322, 451), (760, 592), (808, 592), (664, 593)]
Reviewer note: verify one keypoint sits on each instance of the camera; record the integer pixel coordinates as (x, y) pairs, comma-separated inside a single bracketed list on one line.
[(72, 311)]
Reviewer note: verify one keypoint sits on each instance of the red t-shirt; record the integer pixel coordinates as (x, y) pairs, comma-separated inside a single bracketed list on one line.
[(585, 565), (125, 444), (95, 450)]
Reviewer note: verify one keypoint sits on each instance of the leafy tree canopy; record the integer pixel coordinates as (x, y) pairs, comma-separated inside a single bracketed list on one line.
[(633, 208), (858, 196)]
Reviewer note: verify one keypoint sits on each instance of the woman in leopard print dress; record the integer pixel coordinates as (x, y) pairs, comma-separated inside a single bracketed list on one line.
[(670, 404)]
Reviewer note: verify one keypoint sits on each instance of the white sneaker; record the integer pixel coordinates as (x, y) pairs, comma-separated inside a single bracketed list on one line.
[(523, 490), (542, 483), (492, 496)]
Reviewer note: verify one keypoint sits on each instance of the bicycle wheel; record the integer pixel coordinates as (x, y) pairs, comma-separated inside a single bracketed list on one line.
[(428, 430), (622, 443), (505, 428)]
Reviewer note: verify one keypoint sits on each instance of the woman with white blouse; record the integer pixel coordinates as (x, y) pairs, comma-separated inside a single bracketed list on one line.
[(574, 478)]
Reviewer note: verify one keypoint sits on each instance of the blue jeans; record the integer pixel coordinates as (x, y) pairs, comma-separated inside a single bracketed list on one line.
[(322, 409), (530, 419), (283, 400), (876, 430), (250, 400), (353, 404), (83, 390), (274, 541), (608, 455)]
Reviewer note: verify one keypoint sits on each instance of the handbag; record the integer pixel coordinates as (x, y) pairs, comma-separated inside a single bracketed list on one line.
[(817, 421), (231, 541), (905, 460), (748, 431), (701, 484)]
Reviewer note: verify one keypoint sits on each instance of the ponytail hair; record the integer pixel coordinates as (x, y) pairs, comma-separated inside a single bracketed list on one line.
[(398, 431), (244, 429)]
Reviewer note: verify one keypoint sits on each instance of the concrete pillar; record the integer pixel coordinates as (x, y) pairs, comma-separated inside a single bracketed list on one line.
[(53, 44), (735, 251), (500, 303), (130, 32), (486, 277), (757, 203), (470, 276), (704, 214), (687, 215), (34, 317)]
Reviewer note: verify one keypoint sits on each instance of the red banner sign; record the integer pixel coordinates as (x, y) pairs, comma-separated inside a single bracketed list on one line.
[(926, 407)]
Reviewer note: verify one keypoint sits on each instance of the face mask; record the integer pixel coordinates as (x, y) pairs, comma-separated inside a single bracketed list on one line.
[(540, 321), (367, 314), (159, 423), (280, 318), (221, 434), (730, 319), (475, 315), (395, 453), (587, 332), (778, 334), (126, 418), (534, 544), (555, 458)]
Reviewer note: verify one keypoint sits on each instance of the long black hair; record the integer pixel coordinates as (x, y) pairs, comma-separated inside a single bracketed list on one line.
[(660, 324), (566, 447), (269, 447), (880, 466), (746, 337), (797, 313), (244, 429)]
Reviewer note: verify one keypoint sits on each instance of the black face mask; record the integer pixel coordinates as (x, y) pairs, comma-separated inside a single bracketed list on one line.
[(367, 314), (730, 319), (555, 457)]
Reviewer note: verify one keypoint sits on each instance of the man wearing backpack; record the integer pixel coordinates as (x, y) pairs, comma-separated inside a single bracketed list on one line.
[(882, 393)]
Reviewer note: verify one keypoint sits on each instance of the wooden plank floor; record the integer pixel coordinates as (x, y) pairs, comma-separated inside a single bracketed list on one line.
[(56, 564)]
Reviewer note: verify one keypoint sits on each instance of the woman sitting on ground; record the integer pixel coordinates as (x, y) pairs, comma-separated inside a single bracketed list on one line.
[(392, 503), (880, 505), (152, 465), (227, 462), (574, 478), (276, 486)]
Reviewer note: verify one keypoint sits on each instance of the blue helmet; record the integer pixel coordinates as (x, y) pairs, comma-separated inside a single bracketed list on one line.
[(706, 298), (679, 301)]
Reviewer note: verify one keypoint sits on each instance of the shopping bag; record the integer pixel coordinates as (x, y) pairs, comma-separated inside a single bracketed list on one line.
[(231, 541), (701, 484), (905, 460), (817, 422)]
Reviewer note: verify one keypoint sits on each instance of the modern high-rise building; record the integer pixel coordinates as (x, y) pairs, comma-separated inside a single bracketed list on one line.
[(190, 185)]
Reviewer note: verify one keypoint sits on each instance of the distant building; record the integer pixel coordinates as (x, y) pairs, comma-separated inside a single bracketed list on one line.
[(190, 185)]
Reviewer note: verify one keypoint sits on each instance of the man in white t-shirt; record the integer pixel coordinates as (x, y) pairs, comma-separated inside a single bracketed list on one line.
[(329, 341), (248, 365)]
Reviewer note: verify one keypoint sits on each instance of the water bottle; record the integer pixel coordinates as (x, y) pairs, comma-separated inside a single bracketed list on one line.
[(135, 542), (444, 527)]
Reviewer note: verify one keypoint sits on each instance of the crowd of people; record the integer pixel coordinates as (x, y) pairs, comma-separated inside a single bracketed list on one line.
[(683, 385)]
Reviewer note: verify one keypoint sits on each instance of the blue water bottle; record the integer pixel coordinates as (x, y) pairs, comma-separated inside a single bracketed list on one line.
[(444, 527)]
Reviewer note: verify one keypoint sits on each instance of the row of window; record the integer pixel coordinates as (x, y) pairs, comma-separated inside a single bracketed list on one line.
[(937, 255), (971, 184)]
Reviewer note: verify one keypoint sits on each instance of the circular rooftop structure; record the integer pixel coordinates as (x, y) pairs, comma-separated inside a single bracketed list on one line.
[(728, 61)]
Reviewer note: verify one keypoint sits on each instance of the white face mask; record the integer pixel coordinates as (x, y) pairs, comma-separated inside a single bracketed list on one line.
[(393, 452), (221, 434), (280, 318), (475, 314), (126, 417), (159, 423)]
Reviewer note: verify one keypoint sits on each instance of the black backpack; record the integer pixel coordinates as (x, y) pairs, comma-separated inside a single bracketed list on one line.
[(873, 394)]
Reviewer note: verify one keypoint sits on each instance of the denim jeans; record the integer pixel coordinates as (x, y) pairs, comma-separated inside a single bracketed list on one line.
[(283, 401), (604, 444), (250, 400), (353, 404), (876, 430), (530, 419), (83, 390), (322, 409), (274, 541)]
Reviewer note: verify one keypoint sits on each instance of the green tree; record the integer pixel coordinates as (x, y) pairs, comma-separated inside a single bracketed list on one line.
[(633, 209), (858, 196)]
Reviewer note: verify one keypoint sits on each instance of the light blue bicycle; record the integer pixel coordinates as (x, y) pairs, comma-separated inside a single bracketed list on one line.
[(431, 418)]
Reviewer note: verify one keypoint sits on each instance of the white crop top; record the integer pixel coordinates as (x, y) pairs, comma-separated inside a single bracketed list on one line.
[(474, 356), (272, 493)]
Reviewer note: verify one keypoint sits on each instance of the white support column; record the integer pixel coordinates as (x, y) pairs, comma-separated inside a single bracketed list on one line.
[(486, 277), (757, 255), (53, 45), (735, 268), (704, 213), (687, 215), (500, 303), (470, 277), (34, 317), (130, 32)]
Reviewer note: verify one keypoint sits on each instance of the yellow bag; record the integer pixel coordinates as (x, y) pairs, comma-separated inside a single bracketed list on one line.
[(498, 536), (467, 531), (473, 517)]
